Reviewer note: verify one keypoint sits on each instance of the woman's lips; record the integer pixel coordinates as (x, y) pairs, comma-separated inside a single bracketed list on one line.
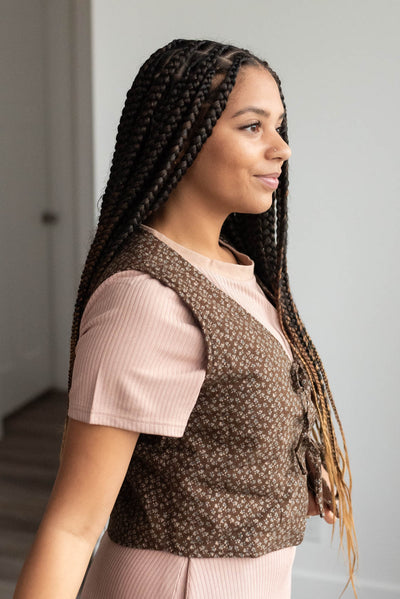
[(270, 182)]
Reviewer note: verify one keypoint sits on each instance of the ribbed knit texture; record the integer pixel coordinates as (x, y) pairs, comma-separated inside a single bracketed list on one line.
[(140, 363), (124, 573)]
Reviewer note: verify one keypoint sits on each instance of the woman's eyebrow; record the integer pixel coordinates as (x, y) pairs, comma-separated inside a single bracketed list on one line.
[(260, 111)]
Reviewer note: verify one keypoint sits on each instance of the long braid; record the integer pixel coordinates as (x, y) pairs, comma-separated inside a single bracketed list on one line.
[(146, 170), (169, 112), (304, 348), (156, 195)]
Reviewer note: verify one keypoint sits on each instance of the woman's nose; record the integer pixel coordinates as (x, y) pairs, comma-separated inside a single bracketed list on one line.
[(278, 148)]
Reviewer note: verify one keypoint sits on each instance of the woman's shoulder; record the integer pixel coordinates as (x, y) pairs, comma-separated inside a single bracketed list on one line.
[(133, 294), (140, 357)]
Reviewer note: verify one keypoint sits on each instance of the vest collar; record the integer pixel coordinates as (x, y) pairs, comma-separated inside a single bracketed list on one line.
[(244, 271)]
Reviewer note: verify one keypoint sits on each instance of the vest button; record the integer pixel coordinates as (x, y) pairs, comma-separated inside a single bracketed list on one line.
[(299, 377)]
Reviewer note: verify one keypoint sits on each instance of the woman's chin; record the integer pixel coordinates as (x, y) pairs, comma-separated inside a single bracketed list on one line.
[(262, 206)]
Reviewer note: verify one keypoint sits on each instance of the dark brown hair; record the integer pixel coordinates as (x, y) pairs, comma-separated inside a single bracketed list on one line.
[(170, 110)]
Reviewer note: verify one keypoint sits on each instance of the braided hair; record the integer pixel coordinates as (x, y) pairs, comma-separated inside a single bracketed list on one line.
[(170, 111)]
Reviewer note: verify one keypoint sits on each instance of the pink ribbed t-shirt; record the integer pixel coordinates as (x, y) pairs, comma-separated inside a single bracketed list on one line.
[(140, 363)]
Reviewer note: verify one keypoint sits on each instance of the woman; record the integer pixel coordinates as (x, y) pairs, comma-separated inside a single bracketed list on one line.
[(185, 333)]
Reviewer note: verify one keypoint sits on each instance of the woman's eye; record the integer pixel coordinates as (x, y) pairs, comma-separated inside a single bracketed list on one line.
[(253, 127), (279, 130)]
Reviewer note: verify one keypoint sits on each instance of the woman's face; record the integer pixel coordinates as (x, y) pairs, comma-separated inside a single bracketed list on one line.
[(236, 169)]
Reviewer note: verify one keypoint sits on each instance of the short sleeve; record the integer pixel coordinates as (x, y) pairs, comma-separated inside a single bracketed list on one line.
[(140, 359)]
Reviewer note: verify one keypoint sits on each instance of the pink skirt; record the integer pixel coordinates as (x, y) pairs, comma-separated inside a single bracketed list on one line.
[(123, 573)]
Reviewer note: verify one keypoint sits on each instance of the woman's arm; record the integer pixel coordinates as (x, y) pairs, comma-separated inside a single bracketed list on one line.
[(91, 472)]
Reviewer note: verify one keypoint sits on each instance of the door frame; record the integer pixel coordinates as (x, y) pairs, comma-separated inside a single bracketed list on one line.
[(68, 85)]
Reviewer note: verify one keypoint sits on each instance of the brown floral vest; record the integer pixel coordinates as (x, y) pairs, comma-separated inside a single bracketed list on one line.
[(235, 484)]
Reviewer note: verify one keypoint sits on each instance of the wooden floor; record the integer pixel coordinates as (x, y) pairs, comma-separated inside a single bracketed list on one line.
[(29, 454)]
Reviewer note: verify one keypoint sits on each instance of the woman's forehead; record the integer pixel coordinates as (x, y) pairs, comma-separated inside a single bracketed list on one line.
[(254, 87)]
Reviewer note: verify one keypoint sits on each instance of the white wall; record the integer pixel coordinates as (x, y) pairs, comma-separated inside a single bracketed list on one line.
[(338, 62)]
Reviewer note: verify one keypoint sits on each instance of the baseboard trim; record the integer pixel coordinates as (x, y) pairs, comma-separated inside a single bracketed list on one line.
[(308, 584)]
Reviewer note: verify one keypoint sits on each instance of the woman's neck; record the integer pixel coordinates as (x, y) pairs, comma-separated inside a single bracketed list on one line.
[(195, 233)]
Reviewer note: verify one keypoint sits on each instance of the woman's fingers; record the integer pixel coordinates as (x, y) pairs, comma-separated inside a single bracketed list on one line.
[(313, 509), (329, 516)]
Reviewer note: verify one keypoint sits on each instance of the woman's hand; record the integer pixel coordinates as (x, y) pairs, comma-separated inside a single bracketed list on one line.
[(313, 509)]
